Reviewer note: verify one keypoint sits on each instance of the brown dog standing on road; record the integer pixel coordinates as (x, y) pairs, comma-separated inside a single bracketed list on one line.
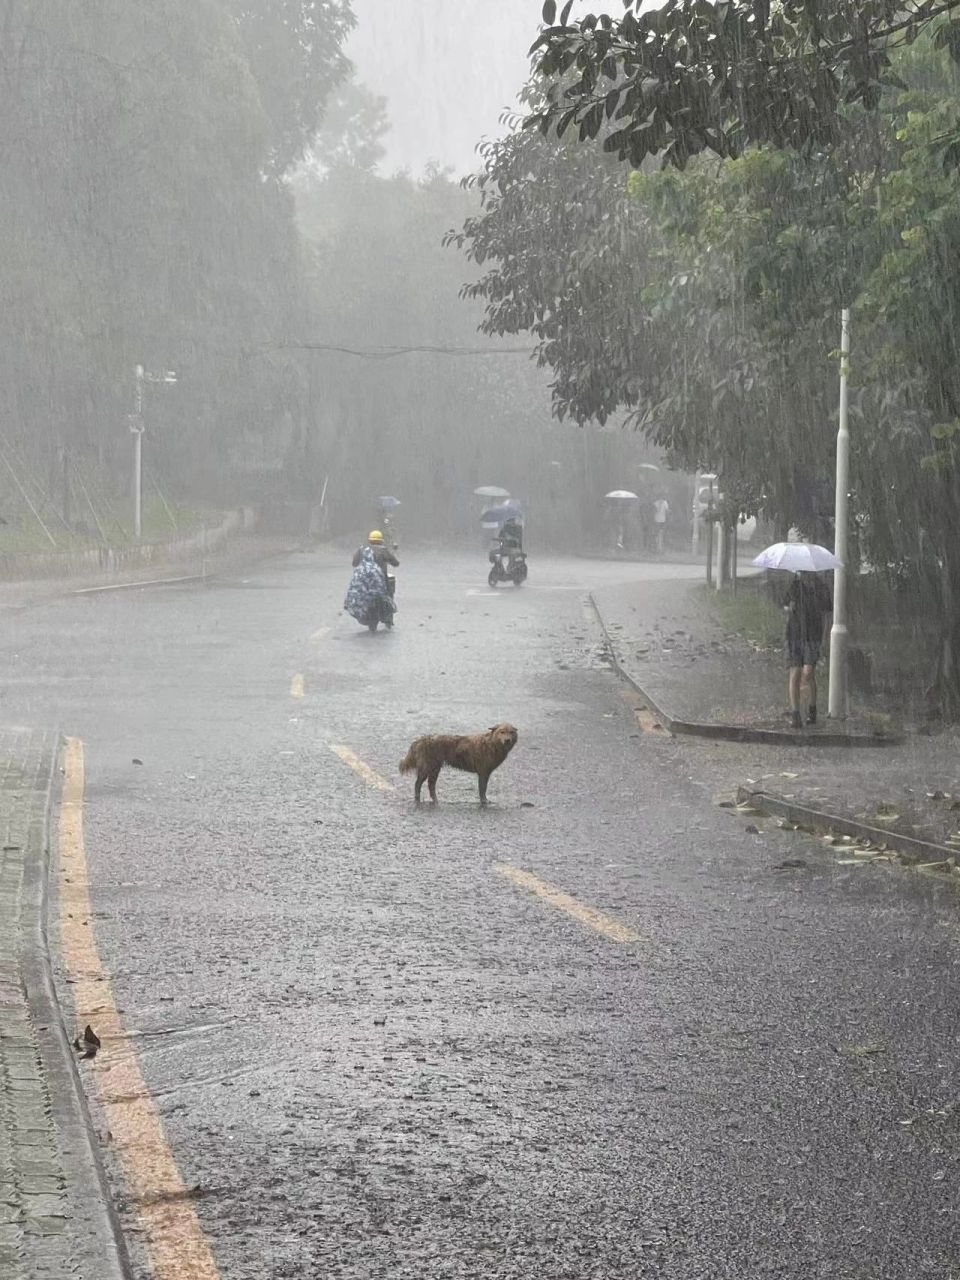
[(478, 753)]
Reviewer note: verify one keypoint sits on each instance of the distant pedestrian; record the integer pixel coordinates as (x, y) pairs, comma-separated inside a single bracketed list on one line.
[(661, 509), (807, 605)]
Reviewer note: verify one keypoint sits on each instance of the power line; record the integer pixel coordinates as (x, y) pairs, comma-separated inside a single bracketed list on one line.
[(391, 353)]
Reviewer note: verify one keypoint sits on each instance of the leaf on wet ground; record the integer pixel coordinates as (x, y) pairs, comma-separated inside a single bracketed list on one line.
[(88, 1046), (869, 1049)]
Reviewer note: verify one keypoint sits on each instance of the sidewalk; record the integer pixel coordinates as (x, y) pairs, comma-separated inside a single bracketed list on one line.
[(55, 1220), (700, 676), (240, 554), (668, 641)]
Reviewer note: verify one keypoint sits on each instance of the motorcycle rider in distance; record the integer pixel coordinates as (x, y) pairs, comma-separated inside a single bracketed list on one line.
[(511, 536), (381, 553), (370, 596)]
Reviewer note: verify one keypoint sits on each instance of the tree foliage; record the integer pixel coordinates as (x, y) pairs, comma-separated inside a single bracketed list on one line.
[(351, 132), (140, 228), (437, 413), (720, 75), (705, 300), (295, 52)]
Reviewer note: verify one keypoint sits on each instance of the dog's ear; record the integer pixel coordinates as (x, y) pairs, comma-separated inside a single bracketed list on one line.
[(493, 728)]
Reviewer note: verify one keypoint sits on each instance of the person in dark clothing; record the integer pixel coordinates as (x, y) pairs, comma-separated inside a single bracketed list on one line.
[(807, 605), (511, 535), (381, 553)]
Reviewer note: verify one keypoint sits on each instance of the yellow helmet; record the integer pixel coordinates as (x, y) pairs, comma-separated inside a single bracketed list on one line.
[(375, 536)]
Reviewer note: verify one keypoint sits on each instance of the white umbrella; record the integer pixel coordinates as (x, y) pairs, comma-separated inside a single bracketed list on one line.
[(797, 557), (648, 466), (491, 491), (623, 493)]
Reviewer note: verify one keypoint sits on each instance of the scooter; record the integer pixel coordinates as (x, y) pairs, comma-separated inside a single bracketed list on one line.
[(379, 612), (507, 565)]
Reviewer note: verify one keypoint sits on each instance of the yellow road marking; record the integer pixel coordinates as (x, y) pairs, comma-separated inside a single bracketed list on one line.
[(370, 776), (297, 687), (178, 1248), (588, 916), (320, 634)]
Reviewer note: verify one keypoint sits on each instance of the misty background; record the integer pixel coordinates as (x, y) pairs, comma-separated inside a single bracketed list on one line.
[(212, 194)]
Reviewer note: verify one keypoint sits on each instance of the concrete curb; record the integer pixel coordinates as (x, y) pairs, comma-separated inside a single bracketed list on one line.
[(738, 732), (911, 847), (79, 1149), (139, 586)]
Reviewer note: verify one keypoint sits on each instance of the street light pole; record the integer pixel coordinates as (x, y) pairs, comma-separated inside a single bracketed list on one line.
[(137, 482), (136, 427), (837, 708)]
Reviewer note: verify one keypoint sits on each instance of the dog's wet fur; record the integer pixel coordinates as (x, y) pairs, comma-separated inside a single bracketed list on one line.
[(478, 753)]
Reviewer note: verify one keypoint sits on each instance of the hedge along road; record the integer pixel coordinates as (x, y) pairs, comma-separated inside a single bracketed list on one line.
[(585, 1032)]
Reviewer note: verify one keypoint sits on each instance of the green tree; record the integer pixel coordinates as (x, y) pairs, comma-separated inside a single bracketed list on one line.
[(351, 132), (295, 51), (140, 229), (706, 301), (720, 75)]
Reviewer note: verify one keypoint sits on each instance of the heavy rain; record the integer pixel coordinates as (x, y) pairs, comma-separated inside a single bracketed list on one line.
[(480, 685)]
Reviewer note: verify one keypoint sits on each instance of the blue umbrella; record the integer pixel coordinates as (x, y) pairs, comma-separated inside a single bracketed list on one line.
[(496, 516), (388, 504)]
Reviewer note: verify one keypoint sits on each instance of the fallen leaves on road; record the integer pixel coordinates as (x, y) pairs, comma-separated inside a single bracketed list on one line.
[(87, 1048), (869, 1050)]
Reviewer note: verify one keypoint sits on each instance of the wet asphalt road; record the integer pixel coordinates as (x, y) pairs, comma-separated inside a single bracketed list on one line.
[(379, 1058)]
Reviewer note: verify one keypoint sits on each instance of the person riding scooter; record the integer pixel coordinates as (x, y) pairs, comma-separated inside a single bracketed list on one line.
[(508, 559), (381, 553), (370, 596), (511, 536)]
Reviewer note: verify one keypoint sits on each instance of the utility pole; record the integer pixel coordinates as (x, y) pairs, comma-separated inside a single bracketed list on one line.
[(136, 428), (710, 535), (837, 708)]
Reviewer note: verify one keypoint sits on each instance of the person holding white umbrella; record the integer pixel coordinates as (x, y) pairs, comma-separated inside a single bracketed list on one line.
[(807, 606)]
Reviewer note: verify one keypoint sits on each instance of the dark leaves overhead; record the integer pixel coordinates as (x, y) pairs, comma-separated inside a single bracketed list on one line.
[(702, 75)]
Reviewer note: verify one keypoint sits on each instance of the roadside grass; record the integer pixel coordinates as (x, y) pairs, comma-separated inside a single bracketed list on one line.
[(749, 613), (23, 534)]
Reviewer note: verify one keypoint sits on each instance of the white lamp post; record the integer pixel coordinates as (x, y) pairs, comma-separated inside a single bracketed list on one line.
[(837, 708), (136, 428)]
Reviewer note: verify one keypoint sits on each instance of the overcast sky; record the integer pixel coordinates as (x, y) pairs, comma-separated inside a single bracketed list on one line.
[(448, 69)]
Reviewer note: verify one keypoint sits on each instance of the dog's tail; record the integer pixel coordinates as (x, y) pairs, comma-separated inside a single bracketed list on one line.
[(409, 761)]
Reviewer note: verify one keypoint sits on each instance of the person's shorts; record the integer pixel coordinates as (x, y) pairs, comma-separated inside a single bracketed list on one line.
[(802, 653)]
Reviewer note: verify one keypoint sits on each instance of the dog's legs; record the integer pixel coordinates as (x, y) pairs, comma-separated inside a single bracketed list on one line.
[(432, 784), (421, 779), (484, 778)]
